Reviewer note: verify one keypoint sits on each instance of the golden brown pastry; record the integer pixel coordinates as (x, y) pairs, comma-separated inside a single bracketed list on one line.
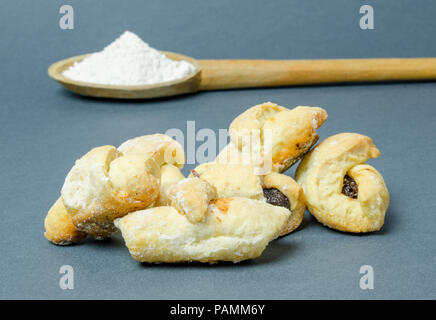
[(161, 147), (341, 191), (237, 180), (234, 229), (105, 184), (271, 133), (231, 180), (58, 226), (108, 183), (191, 197), (168, 154)]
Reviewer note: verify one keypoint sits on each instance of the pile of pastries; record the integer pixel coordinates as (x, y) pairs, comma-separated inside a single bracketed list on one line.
[(228, 209)]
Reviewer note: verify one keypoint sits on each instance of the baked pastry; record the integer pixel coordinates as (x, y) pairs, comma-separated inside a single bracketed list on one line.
[(168, 154), (58, 226), (268, 132), (169, 175), (238, 180), (341, 191), (231, 180), (122, 183), (191, 197), (106, 184), (161, 147), (234, 229)]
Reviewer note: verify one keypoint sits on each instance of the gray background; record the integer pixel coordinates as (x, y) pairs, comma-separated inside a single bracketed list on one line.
[(44, 128)]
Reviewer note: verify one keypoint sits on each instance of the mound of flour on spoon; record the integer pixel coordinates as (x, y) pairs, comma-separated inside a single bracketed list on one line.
[(128, 61)]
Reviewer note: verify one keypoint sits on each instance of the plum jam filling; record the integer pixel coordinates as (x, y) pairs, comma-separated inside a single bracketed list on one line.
[(276, 198), (349, 187)]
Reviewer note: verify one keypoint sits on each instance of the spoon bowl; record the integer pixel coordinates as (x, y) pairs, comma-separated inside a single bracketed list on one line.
[(188, 84)]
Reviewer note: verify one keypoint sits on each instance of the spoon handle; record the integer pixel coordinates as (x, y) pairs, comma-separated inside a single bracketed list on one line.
[(230, 74)]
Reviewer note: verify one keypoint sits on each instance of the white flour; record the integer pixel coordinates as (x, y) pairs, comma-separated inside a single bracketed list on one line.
[(128, 61)]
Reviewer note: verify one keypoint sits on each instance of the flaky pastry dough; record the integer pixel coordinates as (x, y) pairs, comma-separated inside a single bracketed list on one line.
[(108, 183), (234, 229), (169, 175), (269, 131), (238, 180), (291, 189), (105, 184), (231, 180), (191, 197), (161, 147), (58, 226)]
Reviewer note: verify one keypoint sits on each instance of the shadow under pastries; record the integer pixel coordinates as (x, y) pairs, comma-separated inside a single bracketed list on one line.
[(115, 241)]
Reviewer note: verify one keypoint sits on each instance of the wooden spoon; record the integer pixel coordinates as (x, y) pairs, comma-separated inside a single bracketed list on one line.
[(232, 74)]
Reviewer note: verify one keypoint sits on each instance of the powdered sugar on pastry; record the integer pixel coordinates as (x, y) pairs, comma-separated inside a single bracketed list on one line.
[(236, 231), (191, 197), (106, 184)]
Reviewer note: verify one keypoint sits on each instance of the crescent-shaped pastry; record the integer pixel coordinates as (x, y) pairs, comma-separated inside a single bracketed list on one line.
[(108, 183), (104, 185), (271, 133), (234, 229), (341, 191)]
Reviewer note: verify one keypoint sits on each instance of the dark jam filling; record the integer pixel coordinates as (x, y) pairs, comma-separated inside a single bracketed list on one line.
[(350, 187), (276, 198)]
